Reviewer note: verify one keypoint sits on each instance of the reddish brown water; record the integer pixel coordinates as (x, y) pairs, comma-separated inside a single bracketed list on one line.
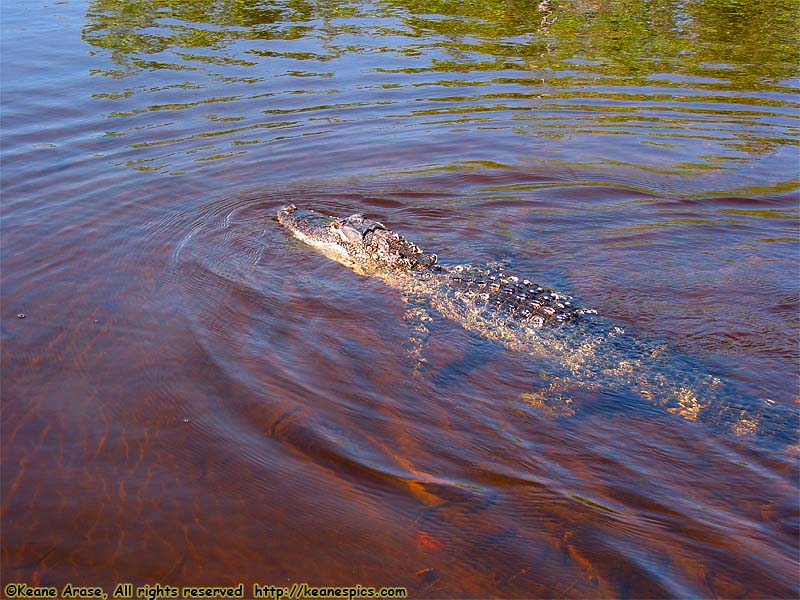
[(196, 398)]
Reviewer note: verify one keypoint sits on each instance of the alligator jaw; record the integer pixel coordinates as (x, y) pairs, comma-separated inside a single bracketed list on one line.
[(362, 244), (317, 230)]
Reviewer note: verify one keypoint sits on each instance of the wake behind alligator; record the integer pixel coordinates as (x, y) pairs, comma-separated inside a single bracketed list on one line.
[(582, 351)]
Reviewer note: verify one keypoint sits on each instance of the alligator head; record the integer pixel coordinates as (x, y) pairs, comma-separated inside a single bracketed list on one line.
[(364, 245)]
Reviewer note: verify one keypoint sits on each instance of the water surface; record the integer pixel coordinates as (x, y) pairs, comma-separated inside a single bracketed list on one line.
[(193, 397)]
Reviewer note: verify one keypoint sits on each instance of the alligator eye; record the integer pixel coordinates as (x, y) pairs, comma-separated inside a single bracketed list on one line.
[(348, 234), (338, 229)]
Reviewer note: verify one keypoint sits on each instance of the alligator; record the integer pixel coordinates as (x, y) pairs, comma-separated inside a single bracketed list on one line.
[(581, 349)]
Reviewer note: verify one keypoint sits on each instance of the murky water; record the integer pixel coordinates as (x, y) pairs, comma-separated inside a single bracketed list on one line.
[(193, 397)]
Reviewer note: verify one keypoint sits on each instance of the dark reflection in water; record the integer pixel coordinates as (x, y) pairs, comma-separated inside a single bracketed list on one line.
[(678, 89), (196, 398)]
